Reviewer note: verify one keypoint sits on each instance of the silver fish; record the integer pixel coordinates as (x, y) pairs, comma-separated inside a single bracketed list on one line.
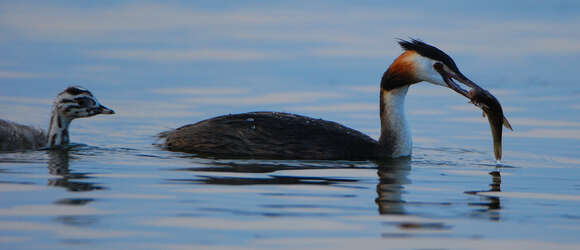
[(492, 109)]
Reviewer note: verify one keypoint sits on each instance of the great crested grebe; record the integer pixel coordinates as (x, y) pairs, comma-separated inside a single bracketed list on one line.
[(73, 102), (289, 136)]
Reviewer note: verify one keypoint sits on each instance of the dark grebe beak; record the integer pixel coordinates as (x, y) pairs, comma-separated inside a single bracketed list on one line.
[(448, 77)]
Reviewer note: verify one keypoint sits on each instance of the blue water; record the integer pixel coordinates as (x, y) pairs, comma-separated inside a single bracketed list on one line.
[(162, 65)]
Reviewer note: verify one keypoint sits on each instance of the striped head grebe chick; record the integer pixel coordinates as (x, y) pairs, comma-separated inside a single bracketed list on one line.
[(73, 102), (289, 136)]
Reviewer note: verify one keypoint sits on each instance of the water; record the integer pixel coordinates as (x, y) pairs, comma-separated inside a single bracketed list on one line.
[(114, 189)]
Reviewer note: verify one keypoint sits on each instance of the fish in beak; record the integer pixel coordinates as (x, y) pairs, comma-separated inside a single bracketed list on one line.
[(492, 109), (482, 99)]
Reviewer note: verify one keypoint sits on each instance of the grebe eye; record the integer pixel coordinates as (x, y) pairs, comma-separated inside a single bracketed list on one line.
[(438, 66)]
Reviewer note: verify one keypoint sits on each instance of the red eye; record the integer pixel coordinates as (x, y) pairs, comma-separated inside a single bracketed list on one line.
[(438, 66)]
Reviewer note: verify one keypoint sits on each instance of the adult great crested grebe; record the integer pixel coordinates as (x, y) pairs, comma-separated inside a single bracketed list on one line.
[(74, 102), (289, 136)]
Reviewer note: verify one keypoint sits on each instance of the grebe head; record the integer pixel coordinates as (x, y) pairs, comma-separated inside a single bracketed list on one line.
[(73, 102), (77, 102), (424, 62)]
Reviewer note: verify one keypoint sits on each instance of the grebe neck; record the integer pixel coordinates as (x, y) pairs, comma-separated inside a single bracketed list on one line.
[(395, 139), (57, 129)]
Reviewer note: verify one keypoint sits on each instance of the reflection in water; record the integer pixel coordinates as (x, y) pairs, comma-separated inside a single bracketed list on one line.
[(392, 175), (493, 205), (74, 201), (58, 162), (263, 168), (280, 181), (78, 221), (495, 181), (270, 180), (234, 167), (58, 165)]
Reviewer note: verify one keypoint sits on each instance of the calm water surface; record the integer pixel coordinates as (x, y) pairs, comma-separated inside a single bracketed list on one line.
[(122, 191), (115, 189)]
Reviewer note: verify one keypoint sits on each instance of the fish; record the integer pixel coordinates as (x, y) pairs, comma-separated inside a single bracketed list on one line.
[(494, 112)]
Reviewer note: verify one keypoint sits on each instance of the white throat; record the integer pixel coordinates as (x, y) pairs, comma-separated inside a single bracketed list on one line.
[(57, 129), (395, 132)]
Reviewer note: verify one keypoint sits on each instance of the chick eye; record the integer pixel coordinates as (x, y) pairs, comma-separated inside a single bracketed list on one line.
[(85, 102)]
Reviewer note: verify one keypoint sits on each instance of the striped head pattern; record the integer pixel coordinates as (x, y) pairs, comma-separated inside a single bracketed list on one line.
[(77, 102), (74, 102)]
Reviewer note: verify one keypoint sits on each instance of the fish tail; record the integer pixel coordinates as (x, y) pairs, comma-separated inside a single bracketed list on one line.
[(497, 149), (507, 124), (496, 132)]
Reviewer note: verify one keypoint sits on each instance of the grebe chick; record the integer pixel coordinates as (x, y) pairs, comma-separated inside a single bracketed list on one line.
[(288, 136), (74, 102)]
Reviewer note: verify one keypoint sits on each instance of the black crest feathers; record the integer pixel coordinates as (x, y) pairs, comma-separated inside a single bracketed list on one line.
[(429, 51)]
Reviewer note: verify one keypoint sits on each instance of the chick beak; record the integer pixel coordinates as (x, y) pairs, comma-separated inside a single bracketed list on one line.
[(104, 110)]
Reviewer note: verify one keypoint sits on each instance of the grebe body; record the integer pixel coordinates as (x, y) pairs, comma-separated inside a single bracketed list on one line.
[(272, 135), (72, 103), (290, 136)]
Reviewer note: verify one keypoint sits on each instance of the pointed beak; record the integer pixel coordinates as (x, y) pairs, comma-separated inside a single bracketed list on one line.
[(448, 78), (104, 110)]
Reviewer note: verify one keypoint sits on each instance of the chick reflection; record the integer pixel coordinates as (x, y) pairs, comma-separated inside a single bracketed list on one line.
[(493, 204), (58, 162), (58, 165), (392, 175)]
